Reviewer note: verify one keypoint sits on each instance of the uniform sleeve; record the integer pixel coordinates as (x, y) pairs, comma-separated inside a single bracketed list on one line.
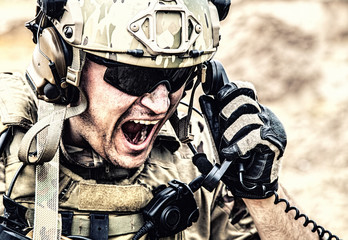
[(18, 108), (230, 218), (18, 104)]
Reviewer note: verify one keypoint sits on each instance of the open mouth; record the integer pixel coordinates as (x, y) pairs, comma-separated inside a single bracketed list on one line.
[(137, 131)]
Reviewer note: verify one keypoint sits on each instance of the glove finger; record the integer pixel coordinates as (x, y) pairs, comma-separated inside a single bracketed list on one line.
[(241, 127), (236, 102), (273, 129), (237, 107), (246, 146), (250, 141), (233, 89)]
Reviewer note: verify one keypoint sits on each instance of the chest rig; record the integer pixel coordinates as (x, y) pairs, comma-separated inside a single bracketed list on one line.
[(87, 202), (98, 203), (70, 191)]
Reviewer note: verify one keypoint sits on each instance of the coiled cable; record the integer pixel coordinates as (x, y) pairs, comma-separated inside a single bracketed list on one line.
[(319, 229), (143, 230)]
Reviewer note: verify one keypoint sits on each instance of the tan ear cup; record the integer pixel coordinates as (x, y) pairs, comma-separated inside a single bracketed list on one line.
[(48, 54)]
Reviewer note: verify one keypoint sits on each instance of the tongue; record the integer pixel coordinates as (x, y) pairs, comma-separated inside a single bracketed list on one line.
[(132, 131)]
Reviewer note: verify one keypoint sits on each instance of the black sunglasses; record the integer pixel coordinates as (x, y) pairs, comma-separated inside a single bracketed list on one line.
[(137, 81)]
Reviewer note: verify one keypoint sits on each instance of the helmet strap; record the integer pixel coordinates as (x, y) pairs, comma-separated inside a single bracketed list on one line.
[(73, 75), (53, 123)]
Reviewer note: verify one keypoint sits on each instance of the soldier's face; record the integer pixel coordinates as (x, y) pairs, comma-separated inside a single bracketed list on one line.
[(120, 127)]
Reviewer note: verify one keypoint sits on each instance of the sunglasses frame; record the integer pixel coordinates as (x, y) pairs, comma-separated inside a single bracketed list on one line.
[(137, 91)]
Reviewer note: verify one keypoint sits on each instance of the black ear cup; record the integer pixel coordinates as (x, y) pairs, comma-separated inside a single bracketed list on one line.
[(216, 77), (223, 6), (52, 8)]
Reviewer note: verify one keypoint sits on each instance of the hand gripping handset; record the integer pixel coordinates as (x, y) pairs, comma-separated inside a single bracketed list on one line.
[(216, 78)]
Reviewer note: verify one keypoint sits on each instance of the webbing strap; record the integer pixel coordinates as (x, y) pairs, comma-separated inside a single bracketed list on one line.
[(46, 221), (47, 224), (118, 225), (47, 175), (54, 123), (73, 75)]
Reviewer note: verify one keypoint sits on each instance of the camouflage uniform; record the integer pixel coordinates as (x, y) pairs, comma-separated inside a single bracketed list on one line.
[(89, 185)]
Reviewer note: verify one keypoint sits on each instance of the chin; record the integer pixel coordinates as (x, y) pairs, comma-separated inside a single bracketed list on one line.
[(129, 162)]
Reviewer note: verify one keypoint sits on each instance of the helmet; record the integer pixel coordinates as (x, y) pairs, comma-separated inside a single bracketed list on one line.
[(154, 33)]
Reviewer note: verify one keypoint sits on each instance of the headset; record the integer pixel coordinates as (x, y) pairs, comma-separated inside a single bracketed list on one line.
[(52, 55)]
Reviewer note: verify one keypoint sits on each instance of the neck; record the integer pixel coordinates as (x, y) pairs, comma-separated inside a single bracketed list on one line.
[(71, 135)]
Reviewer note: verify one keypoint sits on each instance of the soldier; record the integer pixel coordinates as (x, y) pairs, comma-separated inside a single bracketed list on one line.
[(99, 151)]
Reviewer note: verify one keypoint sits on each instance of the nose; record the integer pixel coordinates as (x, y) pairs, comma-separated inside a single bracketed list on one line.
[(157, 100)]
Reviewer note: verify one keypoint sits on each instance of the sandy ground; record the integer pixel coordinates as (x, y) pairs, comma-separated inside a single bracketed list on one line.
[(296, 54)]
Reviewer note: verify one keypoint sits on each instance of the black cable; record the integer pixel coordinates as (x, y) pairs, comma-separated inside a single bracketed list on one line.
[(192, 148), (14, 179), (4, 138), (193, 108), (319, 229), (241, 178), (316, 228), (143, 230)]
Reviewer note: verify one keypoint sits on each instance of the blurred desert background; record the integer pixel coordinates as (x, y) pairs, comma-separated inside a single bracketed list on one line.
[(296, 54)]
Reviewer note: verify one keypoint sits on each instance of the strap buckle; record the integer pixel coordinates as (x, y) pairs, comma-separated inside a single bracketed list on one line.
[(99, 226)]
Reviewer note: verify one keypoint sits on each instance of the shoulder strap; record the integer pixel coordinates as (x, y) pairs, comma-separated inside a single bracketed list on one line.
[(48, 131), (46, 221), (53, 125)]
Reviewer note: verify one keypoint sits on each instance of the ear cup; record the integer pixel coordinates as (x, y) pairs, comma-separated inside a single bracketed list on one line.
[(223, 7), (49, 64), (216, 77), (52, 8), (48, 50)]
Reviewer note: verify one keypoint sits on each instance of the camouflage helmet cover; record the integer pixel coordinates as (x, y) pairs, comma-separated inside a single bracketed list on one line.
[(155, 33)]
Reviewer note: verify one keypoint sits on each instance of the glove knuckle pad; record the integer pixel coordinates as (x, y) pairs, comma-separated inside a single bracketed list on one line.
[(243, 102), (242, 127)]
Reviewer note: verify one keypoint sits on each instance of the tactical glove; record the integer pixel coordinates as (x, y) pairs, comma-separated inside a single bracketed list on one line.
[(247, 134)]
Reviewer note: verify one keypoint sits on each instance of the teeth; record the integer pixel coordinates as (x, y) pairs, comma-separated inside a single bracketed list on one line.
[(143, 134), (146, 122)]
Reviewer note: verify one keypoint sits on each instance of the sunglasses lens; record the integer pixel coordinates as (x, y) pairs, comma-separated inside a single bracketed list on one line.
[(137, 81)]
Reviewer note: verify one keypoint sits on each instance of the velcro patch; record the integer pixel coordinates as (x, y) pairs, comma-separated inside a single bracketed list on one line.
[(105, 197)]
